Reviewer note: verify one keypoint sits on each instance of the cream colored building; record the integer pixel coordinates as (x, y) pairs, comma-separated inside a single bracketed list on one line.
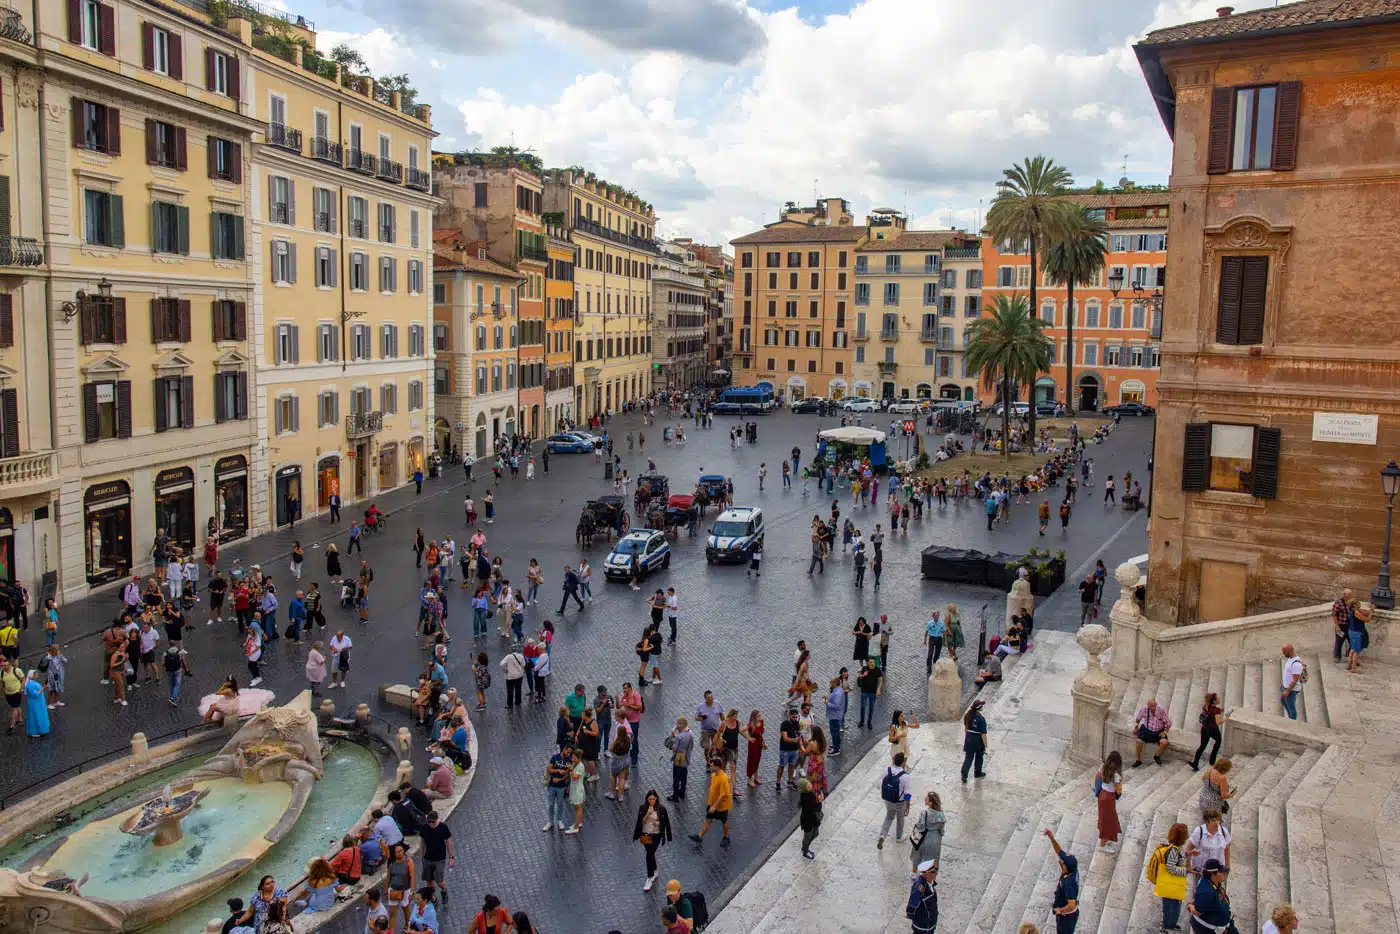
[(961, 305), (614, 232), (341, 250), (679, 303)]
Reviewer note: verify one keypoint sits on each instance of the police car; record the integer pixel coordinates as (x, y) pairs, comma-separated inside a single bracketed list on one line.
[(734, 535), (565, 443), (650, 547)]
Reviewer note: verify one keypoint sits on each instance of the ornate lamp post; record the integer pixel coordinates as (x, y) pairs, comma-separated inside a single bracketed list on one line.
[(1382, 597)]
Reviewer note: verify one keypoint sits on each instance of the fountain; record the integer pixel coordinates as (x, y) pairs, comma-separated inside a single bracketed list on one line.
[(204, 830)]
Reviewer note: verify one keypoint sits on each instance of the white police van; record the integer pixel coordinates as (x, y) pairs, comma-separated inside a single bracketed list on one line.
[(734, 535)]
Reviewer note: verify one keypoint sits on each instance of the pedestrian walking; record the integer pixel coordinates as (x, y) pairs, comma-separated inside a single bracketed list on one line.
[(488, 501), (858, 560), (894, 791), (922, 908), (680, 743), (340, 646), (1358, 639), (513, 667), (1209, 906), (252, 652), (1064, 512), (1209, 719), (316, 667), (652, 830), (355, 533), (818, 562), (1215, 787), (926, 837), (934, 632), (717, 803), (1342, 609), (1282, 920), (1295, 673), (333, 572), (975, 746), (1108, 491), (54, 675), (298, 557), (1088, 597), (869, 683), (1043, 514), (756, 558), (809, 805), (419, 547), (835, 714), (633, 705), (1108, 788)]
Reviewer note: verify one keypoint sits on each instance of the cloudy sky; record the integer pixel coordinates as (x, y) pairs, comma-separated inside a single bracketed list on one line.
[(718, 111)]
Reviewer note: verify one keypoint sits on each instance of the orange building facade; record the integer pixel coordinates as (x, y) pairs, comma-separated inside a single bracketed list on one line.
[(1117, 315)]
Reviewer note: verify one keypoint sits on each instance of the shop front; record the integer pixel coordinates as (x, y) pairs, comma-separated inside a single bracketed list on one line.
[(230, 517), (416, 457), (389, 465), (107, 519), (288, 494), (327, 480), (174, 492), (442, 431), (7, 545)]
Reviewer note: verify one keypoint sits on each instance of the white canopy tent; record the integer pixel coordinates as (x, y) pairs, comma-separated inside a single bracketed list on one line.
[(852, 434)]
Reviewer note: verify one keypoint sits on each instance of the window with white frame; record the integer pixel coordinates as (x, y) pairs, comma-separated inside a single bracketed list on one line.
[(1091, 354), (1112, 354), (1006, 277), (284, 346), (1023, 277), (327, 343), (325, 267), (284, 262), (1115, 315), (388, 223), (1139, 315), (413, 219), (91, 23), (360, 348), (415, 340), (385, 147), (389, 341), (1135, 355), (1091, 314), (480, 379), (1047, 311), (323, 209), (388, 274), (413, 160), (496, 377), (510, 375), (415, 277), (328, 409), (286, 414), (359, 272), (357, 209), (160, 51), (220, 72)]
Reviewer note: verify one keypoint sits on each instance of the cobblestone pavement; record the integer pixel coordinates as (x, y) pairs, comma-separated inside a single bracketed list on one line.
[(736, 637)]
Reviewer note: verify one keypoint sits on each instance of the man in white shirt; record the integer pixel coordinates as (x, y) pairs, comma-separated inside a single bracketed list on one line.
[(513, 667), (1291, 683), (673, 609), (449, 555), (340, 658)]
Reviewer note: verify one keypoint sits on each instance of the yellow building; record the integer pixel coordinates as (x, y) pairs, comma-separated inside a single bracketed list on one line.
[(341, 250), (679, 307), (614, 232), (909, 333), (475, 314), (559, 311)]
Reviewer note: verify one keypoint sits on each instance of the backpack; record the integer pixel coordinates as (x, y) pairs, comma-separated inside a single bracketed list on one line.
[(699, 911), (1303, 676), (889, 785), (44, 663), (1154, 863)]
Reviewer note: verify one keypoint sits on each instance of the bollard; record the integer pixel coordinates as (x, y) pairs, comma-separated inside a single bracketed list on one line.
[(327, 711), (362, 716), (405, 741), (139, 747), (404, 773), (945, 691), (214, 926)]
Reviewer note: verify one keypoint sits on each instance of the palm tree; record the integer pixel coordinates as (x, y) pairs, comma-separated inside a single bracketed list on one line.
[(1008, 343), (1028, 209), (1074, 256)]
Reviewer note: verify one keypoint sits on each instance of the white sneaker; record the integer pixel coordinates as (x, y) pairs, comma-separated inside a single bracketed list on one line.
[(546, 828), (650, 880), (572, 829), (655, 681), (255, 682), (563, 826), (124, 703)]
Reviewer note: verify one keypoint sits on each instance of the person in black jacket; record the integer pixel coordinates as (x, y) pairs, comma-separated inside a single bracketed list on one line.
[(810, 819), (652, 830)]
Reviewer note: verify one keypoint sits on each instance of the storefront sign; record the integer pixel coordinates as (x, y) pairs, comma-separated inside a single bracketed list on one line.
[(288, 471), (1341, 428), (229, 465), (106, 392), (113, 490), (170, 480)]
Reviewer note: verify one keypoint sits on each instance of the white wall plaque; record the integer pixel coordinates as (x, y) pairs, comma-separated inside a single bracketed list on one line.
[(1342, 428)]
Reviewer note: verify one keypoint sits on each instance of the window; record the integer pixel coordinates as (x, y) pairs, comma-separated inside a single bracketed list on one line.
[(413, 215), (1253, 132), (1244, 285), (230, 320), (415, 276), (284, 261), (1112, 355), (220, 73), (281, 200), (90, 25), (174, 402), (814, 283), (439, 293), (170, 320), (973, 308), (230, 396), (792, 280), (1091, 354), (385, 148), (323, 206), (285, 344), (772, 280), (326, 267), (860, 353), (327, 343), (97, 127), (1006, 277), (930, 293), (225, 160), (1119, 243), (1023, 277), (814, 258), (102, 219), (1139, 315), (225, 234), (388, 398), (360, 348), (358, 211), (388, 274), (1091, 314), (790, 309), (170, 228), (496, 377), (479, 190), (814, 338), (862, 264), (286, 414), (1135, 355), (891, 293), (1047, 313), (892, 265), (328, 409), (794, 259), (389, 342), (359, 272), (974, 278), (1253, 128), (440, 338), (165, 144), (1233, 458), (415, 394), (386, 223), (928, 356)]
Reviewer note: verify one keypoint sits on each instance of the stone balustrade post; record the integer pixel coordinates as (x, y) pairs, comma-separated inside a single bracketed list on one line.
[(404, 773), (945, 691), (1019, 600), (404, 740), (139, 747), (362, 716), (1093, 696), (1127, 620)]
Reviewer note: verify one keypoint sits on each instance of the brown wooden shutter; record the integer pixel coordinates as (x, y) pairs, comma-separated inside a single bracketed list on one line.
[(114, 131), (186, 401), (1254, 289), (236, 162), (1195, 458), (181, 149), (86, 323), (217, 308), (175, 52), (211, 156), (234, 90), (75, 111), (119, 321), (7, 320), (1285, 153), (1267, 443), (92, 420), (219, 415), (148, 46), (1222, 106), (161, 414), (157, 325), (184, 316), (240, 321), (152, 154), (124, 408), (241, 397), (106, 29), (1227, 314), (208, 68), (9, 406), (75, 21)]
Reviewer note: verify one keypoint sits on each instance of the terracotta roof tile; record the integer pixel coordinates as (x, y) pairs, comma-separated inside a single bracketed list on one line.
[(1290, 17), (919, 240), (1137, 223), (802, 233), (1120, 199), (488, 267)]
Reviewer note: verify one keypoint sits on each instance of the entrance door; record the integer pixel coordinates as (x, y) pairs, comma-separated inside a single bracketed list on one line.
[(1089, 396), (362, 467), (327, 481), (887, 390)]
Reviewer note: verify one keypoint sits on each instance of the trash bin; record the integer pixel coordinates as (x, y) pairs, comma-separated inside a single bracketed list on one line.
[(607, 470)]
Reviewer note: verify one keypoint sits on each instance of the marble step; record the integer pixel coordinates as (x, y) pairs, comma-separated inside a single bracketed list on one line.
[(1234, 687), (1244, 845), (1272, 836), (1332, 681), (1131, 689), (1161, 821), (1309, 850)]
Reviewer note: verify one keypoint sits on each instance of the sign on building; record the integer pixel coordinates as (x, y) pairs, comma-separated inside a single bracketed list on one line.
[(1343, 428)]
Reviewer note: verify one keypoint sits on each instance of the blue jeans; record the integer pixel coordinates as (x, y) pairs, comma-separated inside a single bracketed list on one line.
[(269, 625), (1290, 704), (478, 622), (1171, 912), (867, 709), (836, 726), (296, 628), (531, 591), (50, 636), (557, 804), (175, 677), (517, 628), (585, 588)]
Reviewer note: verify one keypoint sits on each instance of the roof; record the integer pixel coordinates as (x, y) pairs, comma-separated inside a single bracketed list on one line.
[(803, 233), (1136, 223), (1288, 19), (475, 264), (739, 511), (919, 240), (1120, 199)]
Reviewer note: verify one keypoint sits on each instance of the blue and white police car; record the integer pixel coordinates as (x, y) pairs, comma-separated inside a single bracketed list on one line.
[(734, 535), (651, 548)]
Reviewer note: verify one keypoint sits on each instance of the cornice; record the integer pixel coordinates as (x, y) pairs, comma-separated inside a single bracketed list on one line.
[(267, 154), (270, 66)]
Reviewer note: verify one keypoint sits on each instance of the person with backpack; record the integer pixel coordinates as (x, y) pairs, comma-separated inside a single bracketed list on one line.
[(1295, 675), (688, 905), (922, 909), (894, 791), (1166, 870)]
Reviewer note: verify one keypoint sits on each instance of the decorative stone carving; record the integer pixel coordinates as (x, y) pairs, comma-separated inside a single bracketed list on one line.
[(945, 691), (26, 88), (1092, 694), (1126, 608), (1019, 599)]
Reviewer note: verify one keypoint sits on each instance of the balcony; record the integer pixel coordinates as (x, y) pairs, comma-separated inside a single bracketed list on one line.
[(861, 335), (418, 179), (28, 474), (327, 151), (946, 345), (390, 171), (363, 424), (20, 251), (889, 334), (887, 367), (284, 137), (962, 252), (357, 160), (928, 335), (616, 236), (12, 27), (534, 252)]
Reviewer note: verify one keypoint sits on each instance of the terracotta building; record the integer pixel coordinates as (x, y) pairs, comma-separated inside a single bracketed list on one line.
[(794, 288), (1280, 383), (1117, 313)]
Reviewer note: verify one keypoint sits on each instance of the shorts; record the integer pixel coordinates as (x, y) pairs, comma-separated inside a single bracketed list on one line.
[(14, 699), (403, 901), (216, 601), (148, 658), (434, 870), (787, 757), (720, 816), (620, 764), (1147, 736)]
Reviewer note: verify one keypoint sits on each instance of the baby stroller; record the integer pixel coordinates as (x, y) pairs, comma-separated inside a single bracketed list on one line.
[(347, 594)]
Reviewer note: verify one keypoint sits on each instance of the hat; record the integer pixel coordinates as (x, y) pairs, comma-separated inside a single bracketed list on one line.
[(978, 704), (673, 886), (1214, 865), (436, 760), (928, 865)]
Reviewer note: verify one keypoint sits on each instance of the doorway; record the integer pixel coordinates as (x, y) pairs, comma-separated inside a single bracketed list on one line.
[(887, 390), (389, 466), (362, 466), (1089, 394), (288, 495), (327, 480)]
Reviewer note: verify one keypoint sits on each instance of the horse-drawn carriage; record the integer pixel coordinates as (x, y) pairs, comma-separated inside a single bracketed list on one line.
[(677, 514), (712, 489), (603, 516), (651, 487)]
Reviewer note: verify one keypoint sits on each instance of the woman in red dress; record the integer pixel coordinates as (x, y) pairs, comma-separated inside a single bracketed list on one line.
[(753, 732), (1108, 788)]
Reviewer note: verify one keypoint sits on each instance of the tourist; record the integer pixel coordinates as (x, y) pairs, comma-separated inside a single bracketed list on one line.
[(542, 671), (401, 877), (621, 761), (319, 886), (1342, 609), (1210, 905), (818, 553), (333, 571), (1209, 717), (1108, 488), (1088, 599), (534, 576), (520, 919), (298, 556), (423, 918), (1065, 906), (440, 779), (814, 751), (922, 909), (934, 631), (894, 791), (492, 918), (276, 922), (717, 804), (1215, 787), (680, 902), (926, 837), (652, 830), (1208, 842), (789, 747), (1101, 579), (1150, 725), (57, 666), (1169, 880), (673, 610), (868, 681), (557, 785), (899, 735), (36, 712), (1282, 920), (513, 666), (340, 646), (268, 893), (585, 580), (862, 633), (809, 805), (347, 863), (633, 706), (680, 742), (975, 745), (438, 854), (1295, 672), (1108, 788), (1043, 514), (1065, 506), (296, 616)]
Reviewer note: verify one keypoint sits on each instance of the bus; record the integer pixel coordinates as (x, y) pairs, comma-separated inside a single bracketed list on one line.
[(753, 400)]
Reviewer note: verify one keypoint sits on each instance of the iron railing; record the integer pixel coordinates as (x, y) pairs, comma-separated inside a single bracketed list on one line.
[(327, 150), (597, 229), (12, 26), (357, 425), (284, 137), (20, 251), (419, 179), (389, 170), (360, 161)]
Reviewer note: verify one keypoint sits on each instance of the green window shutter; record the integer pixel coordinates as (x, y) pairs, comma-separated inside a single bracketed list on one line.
[(237, 237), (117, 219), (182, 229)]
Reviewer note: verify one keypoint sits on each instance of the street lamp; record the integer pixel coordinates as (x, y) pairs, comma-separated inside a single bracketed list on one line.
[(1382, 597), (1115, 281)]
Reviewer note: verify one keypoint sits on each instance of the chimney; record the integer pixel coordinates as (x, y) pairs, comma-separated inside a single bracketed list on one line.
[(1224, 11)]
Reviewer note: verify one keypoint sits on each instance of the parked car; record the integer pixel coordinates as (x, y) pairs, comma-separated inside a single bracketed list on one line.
[(1019, 409), (811, 404), (567, 444), (906, 407), (1046, 409), (1130, 408), (653, 553), (862, 404)]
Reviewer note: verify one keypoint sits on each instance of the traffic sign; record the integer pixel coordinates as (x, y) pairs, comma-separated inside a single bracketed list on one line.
[(909, 425)]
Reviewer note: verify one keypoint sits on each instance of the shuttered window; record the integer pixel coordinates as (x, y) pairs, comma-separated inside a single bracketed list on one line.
[(106, 411), (1254, 128), (174, 402), (170, 320), (230, 397), (1231, 458), (1244, 286), (230, 320)]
